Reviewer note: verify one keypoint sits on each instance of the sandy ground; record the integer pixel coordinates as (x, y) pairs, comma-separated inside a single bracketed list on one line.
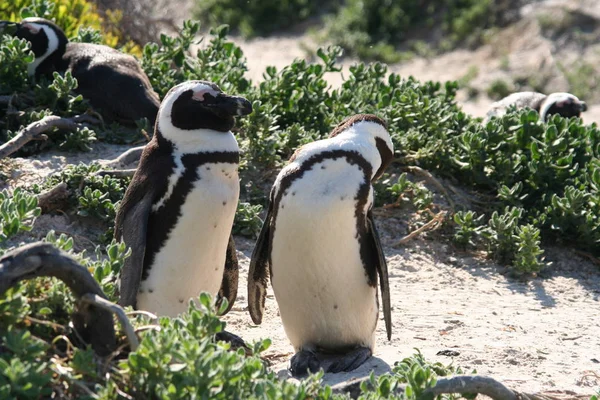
[(536, 335)]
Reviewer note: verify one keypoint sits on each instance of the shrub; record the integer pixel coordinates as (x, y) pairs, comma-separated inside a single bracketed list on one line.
[(70, 15), (17, 212), (252, 18), (372, 29)]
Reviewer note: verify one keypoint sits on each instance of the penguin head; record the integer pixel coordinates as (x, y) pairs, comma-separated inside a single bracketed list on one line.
[(46, 38), (198, 105), (564, 104), (376, 129)]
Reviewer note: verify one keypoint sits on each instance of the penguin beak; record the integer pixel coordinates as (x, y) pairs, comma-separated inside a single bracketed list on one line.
[(582, 106), (8, 28), (231, 105)]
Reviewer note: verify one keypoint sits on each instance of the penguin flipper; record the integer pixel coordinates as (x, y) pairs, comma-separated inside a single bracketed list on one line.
[(258, 275), (383, 275), (133, 225), (229, 285)]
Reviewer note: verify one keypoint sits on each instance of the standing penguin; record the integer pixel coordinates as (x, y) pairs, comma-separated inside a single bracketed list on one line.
[(564, 104), (113, 82), (321, 249), (178, 210)]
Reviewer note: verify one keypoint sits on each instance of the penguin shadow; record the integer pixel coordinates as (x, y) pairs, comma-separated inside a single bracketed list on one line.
[(373, 364)]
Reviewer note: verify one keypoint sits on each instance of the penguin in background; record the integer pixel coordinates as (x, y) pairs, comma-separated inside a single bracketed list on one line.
[(564, 104), (178, 211), (111, 81), (321, 250)]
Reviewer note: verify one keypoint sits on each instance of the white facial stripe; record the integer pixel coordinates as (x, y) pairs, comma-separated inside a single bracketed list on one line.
[(52, 46), (186, 141), (200, 90), (552, 99)]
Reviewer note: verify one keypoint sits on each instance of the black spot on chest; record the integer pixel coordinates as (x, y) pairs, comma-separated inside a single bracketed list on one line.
[(162, 221)]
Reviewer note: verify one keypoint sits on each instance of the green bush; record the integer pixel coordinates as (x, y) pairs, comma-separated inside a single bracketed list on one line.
[(373, 29), (254, 18), (542, 182), (17, 212)]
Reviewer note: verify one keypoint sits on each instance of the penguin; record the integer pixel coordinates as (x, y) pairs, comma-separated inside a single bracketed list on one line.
[(111, 81), (178, 210), (564, 104), (321, 250)]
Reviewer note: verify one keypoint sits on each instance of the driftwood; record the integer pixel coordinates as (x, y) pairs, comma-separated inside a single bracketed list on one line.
[(35, 131), (462, 384), (128, 157), (117, 173), (54, 199), (93, 318)]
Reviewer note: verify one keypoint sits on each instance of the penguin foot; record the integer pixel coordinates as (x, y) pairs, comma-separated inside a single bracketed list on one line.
[(235, 341), (350, 361), (304, 362)]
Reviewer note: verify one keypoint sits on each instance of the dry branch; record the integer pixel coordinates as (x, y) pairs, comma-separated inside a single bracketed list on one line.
[(94, 324), (128, 157), (54, 199), (435, 223), (434, 181), (95, 300), (117, 173), (458, 384), (35, 130)]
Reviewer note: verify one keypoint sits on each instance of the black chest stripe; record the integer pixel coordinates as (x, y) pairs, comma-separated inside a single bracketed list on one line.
[(368, 253), (162, 221)]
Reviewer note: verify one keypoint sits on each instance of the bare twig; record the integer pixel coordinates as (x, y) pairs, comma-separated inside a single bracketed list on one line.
[(128, 157), (432, 225), (35, 130), (54, 199), (117, 173), (472, 384), (94, 299), (95, 324), (50, 324), (456, 384), (142, 312), (433, 180), (65, 373)]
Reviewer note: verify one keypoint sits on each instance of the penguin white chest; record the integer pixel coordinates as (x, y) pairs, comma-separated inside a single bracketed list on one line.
[(192, 259), (319, 279)]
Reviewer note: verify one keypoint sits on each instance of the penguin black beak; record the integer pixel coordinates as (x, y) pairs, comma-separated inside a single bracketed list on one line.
[(231, 105), (8, 28)]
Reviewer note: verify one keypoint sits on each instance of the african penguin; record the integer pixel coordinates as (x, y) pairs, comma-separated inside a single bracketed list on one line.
[(564, 104), (178, 210), (111, 81), (320, 247)]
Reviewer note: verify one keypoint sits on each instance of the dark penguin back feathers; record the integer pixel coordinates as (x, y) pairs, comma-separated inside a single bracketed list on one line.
[(111, 81)]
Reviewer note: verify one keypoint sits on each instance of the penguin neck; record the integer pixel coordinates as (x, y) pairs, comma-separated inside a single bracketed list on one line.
[(46, 63), (363, 138), (200, 141)]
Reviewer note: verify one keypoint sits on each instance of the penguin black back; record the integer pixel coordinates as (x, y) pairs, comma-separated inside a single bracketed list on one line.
[(111, 81)]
